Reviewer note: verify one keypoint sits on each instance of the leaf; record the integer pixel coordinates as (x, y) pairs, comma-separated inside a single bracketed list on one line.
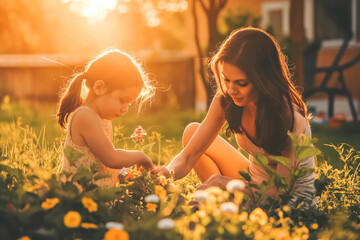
[(302, 171), (70, 187), (72, 155), (282, 160), (82, 173), (308, 151), (261, 160)]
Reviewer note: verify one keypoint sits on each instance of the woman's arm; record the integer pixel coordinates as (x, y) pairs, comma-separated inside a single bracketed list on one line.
[(88, 126), (200, 141)]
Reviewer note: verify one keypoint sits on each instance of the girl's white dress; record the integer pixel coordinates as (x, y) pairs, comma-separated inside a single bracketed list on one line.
[(86, 156)]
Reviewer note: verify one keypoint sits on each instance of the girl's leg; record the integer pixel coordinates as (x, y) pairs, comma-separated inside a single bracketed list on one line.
[(220, 158)]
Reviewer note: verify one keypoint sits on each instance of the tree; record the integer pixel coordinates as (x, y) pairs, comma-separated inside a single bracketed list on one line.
[(297, 39), (212, 10)]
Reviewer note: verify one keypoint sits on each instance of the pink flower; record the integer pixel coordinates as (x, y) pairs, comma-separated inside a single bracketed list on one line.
[(138, 134)]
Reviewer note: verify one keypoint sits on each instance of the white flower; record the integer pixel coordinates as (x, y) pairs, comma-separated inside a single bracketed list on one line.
[(229, 207), (201, 195), (235, 185), (166, 223), (153, 198), (123, 171), (116, 225)]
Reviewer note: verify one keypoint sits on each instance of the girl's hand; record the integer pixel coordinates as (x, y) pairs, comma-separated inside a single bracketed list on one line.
[(145, 162), (162, 171)]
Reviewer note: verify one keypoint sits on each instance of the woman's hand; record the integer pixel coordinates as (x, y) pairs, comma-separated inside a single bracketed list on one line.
[(162, 171)]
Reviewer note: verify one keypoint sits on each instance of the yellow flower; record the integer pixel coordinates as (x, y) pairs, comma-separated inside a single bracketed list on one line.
[(160, 191), (314, 226), (72, 219), (89, 225), (259, 216), (24, 238), (49, 203), (280, 234), (217, 193), (116, 234), (151, 207), (286, 208), (243, 216), (258, 236), (163, 180), (89, 204)]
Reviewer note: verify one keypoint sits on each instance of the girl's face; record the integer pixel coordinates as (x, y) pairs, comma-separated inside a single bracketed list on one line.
[(116, 103), (238, 86)]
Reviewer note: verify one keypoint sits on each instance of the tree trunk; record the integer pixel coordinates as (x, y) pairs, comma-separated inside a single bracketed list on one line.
[(297, 39)]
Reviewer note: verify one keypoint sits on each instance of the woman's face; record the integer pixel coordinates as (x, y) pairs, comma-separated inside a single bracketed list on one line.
[(238, 86)]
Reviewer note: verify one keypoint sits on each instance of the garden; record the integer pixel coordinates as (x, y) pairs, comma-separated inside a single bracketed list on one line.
[(39, 202), (173, 40)]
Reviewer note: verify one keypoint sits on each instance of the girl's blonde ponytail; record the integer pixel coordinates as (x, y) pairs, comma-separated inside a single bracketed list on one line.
[(70, 99)]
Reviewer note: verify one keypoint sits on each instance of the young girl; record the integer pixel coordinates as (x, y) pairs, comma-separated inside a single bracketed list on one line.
[(260, 104), (114, 80)]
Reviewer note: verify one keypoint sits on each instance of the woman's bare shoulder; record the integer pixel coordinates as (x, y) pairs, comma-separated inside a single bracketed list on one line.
[(300, 122)]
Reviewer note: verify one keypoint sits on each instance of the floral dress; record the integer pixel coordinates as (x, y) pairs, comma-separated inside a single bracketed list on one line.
[(82, 155)]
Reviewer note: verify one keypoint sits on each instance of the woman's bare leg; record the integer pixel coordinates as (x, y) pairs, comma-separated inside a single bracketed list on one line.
[(219, 158)]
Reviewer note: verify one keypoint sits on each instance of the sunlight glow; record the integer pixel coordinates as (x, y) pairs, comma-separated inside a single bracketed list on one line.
[(95, 10)]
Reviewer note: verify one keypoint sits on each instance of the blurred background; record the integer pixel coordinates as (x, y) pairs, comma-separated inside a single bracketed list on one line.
[(43, 42)]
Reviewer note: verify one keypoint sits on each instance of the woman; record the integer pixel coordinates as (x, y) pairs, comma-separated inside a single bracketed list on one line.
[(260, 105)]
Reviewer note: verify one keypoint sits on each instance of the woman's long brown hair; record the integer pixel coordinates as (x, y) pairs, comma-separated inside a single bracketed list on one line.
[(258, 55)]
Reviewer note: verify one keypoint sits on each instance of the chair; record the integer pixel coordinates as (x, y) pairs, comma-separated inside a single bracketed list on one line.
[(310, 69)]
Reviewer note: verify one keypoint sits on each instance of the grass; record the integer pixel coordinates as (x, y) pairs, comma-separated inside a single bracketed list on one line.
[(166, 125)]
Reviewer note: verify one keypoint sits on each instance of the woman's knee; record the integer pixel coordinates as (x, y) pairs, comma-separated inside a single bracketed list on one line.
[(189, 132)]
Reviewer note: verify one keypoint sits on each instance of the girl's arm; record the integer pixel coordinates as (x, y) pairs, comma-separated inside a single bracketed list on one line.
[(89, 127), (200, 141)]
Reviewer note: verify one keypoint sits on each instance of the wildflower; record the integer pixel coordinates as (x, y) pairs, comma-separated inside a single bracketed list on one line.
[(163, 180), (160, 191), (89, 204), (258, 235), (243, 216), (314, 226), (166, 223), (72, 219), (49, 203), (130, 175), (152, 198), (201, 195), (329, 207), (235, 185), (116, 234), (123, 171), (138, 134), (116, 225), (216, 193), (286, 208), (280, 234), (151, 207), (229, 207), (89, 225), (141, 168), (24, 238), (259, 216)]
